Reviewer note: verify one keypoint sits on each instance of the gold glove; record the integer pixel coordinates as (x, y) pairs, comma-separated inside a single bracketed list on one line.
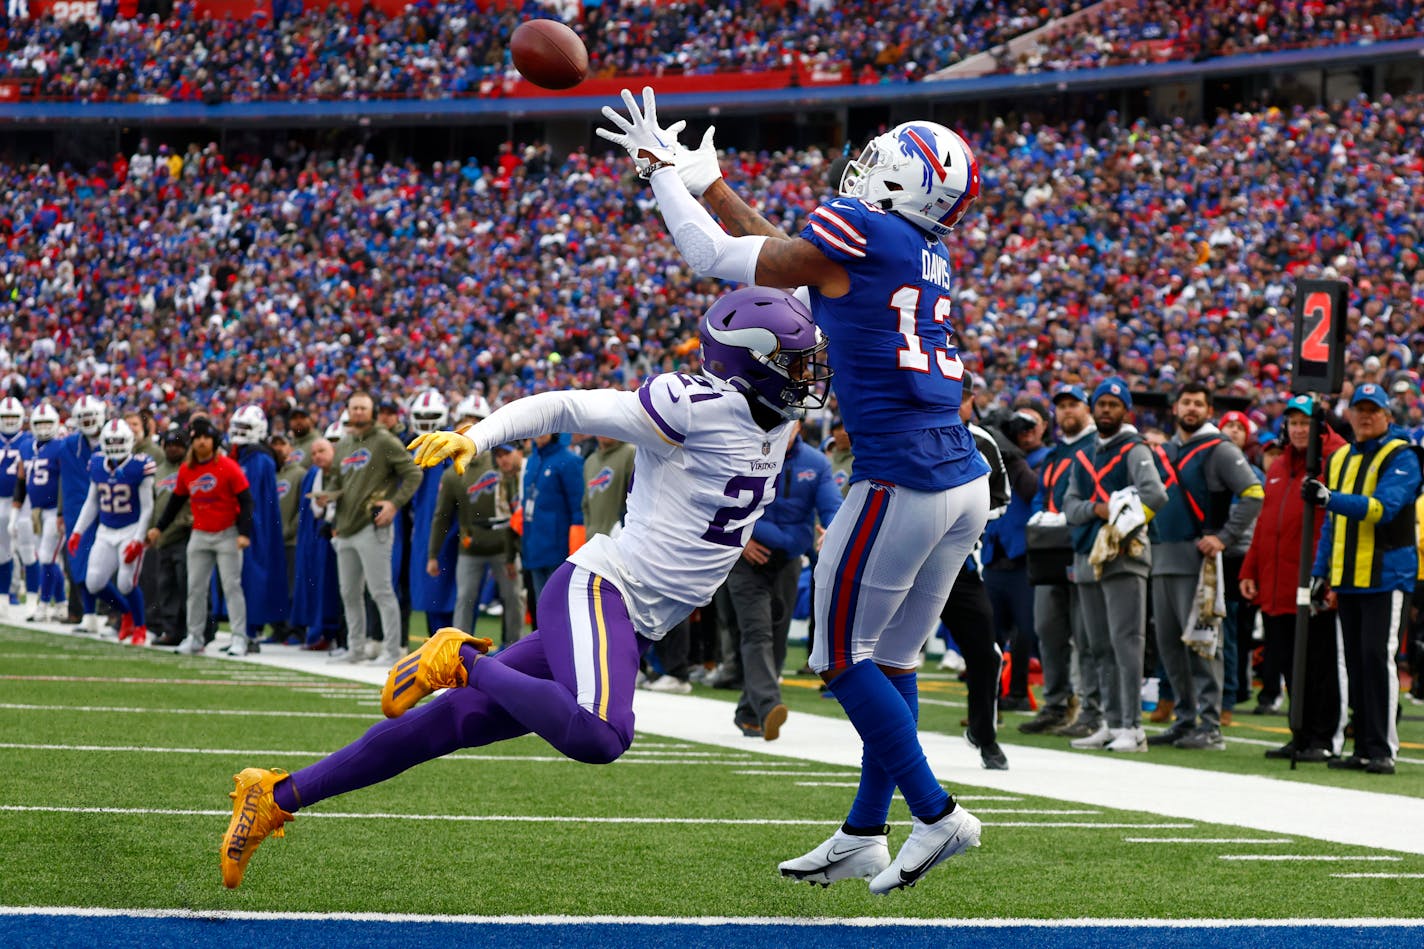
[(434, 447)]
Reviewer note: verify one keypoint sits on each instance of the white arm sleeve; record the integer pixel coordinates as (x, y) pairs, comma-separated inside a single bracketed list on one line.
[(88, 512), (646, 418), (145, 505), (708, 249)]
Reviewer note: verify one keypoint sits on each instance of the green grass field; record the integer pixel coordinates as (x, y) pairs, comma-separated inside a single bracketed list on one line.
[(118, 763)]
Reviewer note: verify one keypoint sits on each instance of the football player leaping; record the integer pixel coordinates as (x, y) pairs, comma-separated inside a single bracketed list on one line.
[(121, 497), (709, 451), (879, 283)]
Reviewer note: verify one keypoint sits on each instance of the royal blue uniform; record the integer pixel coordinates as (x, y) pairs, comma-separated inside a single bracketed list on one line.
[(14, 449), (42, 476), (898, 376), (118, 489)]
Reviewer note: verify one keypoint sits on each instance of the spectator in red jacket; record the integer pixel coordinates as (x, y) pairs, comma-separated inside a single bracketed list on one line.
[(1269, 577)]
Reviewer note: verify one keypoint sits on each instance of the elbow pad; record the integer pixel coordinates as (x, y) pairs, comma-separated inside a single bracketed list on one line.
[(708, 249)]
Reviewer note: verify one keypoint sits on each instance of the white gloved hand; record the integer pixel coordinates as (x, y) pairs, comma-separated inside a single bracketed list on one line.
[(698, 168), (645, 141)]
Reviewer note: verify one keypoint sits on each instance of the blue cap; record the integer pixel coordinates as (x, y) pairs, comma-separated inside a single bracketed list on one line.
[(1070, 392), (1114, 386), (503, 446), (1300, 403), (1369, 392)]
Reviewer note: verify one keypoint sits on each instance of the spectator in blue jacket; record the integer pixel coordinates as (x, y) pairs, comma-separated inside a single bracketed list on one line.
[(763, 582), (1367, 560), (553, 507)]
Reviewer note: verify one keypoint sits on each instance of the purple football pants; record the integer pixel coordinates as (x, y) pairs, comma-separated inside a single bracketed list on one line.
[(571, 682)]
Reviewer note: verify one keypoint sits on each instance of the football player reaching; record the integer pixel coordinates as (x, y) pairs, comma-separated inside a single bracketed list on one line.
[(712, 441), (121, 497), (879, 284)]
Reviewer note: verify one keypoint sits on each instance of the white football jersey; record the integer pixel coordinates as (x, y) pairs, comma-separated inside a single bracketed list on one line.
[(703, 473)]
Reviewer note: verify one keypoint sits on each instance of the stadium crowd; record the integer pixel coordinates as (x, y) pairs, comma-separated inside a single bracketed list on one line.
[(457, 47), (190, 279), (1147, 31)]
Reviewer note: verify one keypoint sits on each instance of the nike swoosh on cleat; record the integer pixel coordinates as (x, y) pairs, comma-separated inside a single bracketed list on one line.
[(914, 873)]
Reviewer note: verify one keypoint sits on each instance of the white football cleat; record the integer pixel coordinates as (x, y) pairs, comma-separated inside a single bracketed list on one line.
[(1097, 740), (843, 857), (191, 645), (927, 846)]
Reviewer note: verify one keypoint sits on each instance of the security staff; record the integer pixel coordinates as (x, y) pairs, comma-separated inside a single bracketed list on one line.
[(1057, 616), (1366, 557)]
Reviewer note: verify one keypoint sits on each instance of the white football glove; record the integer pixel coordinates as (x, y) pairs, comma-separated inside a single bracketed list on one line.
[(698, 168), (647, 143)]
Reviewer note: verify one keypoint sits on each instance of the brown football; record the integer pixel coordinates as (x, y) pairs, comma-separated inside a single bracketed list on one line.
[(549, 54)]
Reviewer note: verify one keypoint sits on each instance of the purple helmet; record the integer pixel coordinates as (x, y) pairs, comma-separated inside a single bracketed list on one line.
[(762, 342)]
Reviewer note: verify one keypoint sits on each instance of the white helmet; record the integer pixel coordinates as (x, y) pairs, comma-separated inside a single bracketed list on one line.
[(337, 429), (472, 406), (12, 416), (89, 414), (248, 426), (922, 171), (116, 440), (429, 412), (44, 422)]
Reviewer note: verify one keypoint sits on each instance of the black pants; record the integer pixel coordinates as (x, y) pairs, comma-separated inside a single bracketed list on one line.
[(168, 610), (1320, 693), (672, 649), (970, 620), (1369, 628), (1012, 600)]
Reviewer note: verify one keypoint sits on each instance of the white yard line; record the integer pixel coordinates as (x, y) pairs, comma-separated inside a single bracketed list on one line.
[(1378, 819), (868, 922), (1378, 876), (1306, 857), (1208, 840), (509, 818)]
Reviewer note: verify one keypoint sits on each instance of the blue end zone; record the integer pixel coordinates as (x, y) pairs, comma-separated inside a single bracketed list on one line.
[(49, 931)]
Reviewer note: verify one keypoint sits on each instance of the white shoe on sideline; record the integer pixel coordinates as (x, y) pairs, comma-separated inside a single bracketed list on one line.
[(338, 654), (1128, 740), (672, 685), (237, 647), (928, 846), (842, 857), (952, 662), (1096, 741), (191, 646)]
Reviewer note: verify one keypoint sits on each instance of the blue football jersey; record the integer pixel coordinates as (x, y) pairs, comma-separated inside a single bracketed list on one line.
[(42, 475), (13, 450), (898, 378), (118, 488)]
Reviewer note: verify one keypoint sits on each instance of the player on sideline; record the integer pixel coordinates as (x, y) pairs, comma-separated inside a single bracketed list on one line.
[(711, 441), (121, 497), (37, 489), (878, 278), (17, 447)]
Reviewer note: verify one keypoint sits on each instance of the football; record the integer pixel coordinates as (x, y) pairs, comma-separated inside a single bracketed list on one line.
[(549, 54)]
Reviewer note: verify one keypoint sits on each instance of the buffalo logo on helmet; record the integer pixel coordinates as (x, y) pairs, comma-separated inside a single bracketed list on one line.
[(204, 484), (357, 460), (483, 484), (600, 482)]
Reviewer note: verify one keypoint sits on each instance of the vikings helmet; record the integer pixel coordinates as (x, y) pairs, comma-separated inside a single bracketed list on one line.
[(762, 342)]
